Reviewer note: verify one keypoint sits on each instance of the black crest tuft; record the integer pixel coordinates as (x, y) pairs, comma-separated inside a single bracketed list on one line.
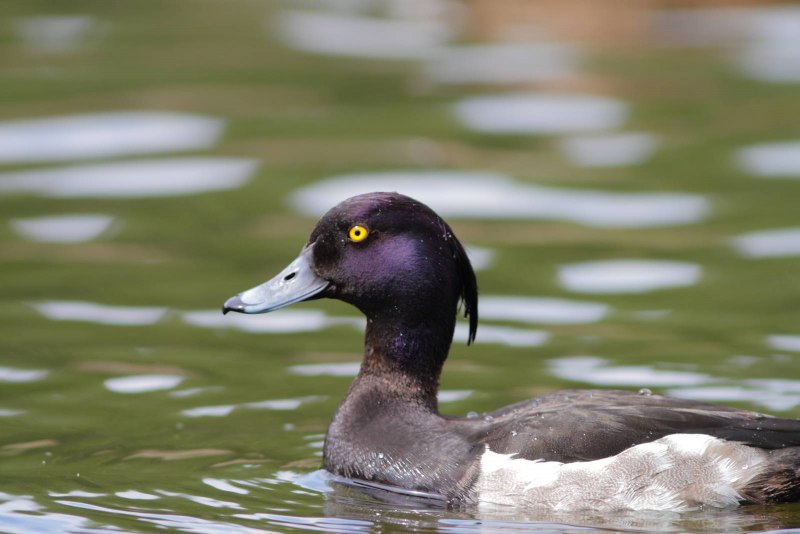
[(469, 284)]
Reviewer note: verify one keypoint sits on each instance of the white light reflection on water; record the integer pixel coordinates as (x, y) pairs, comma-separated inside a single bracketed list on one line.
[(336, 34), (63, 228), (772, 394), (137, 495), (503, 335), (210, 411), (481, 258), (326, 369), (755, 392), (454, 395), (203, 500), (784, 342), (317, 481), (283, 404), (105, 135), (100, 313), (224, 410), (771, 160), (142, 383), (54, 34), (609, 150), (133, 179), (541, 310), (321, 524), (20, 514), (489, 195), (280, 321), (502, 63), (5, 412), (764, 39), (772, 53), (224, 485), (76, 493), (769, 243), (168, 520), (627, 276), (598, 371), (540, 113), (191, 392), (772, 61), (18, 376)]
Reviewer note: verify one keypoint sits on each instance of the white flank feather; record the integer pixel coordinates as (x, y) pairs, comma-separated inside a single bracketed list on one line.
[(676, 473)]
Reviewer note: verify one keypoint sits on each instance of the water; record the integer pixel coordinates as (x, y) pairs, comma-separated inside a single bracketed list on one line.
[(103, 135), (360, 36), (627, 276), (493, 196), (63, 228), (609, 150), (501, 64), (540, 113), (156, 159), (57, 34), (771, 160), (769, 243), (132, 179)]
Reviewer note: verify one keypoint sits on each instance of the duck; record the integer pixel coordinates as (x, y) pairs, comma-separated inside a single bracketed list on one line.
[(401, 265)]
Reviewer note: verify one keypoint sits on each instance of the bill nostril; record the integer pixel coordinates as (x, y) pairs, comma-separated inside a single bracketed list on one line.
[(289, 276)]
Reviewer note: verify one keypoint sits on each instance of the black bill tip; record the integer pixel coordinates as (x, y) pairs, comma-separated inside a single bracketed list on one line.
[(233, 304)]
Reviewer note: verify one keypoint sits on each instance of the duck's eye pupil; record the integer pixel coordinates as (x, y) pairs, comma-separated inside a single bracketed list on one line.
[(357, 233)]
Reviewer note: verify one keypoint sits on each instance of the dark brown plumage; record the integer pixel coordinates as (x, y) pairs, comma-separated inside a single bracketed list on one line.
[(408, 276)]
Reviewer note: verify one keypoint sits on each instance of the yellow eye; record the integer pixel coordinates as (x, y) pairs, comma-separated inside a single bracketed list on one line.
[(357, 233)]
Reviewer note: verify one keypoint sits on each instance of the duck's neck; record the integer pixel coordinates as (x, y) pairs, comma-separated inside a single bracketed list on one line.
[(404, 359), (392, 402)]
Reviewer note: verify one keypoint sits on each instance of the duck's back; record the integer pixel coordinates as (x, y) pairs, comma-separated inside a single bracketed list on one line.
[(575, 425)]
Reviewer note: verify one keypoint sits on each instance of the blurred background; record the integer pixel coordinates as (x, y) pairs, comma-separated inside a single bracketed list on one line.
[(624, 173)]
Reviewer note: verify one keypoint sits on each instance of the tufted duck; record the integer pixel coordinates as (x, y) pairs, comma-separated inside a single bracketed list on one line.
[(400, 264)]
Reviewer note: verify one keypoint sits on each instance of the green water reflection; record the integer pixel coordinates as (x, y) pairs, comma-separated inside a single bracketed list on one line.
[(137, 419)]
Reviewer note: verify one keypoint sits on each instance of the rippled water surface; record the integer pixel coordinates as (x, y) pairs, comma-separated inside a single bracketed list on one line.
[(632, 212)]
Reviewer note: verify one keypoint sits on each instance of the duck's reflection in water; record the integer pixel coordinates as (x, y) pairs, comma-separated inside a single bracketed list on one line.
[(380, 504)]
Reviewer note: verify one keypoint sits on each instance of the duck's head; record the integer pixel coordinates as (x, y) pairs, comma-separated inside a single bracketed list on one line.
[(385, 253)]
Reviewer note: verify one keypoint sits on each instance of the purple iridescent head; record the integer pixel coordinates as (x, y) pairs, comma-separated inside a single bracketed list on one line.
[(385, 253)]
